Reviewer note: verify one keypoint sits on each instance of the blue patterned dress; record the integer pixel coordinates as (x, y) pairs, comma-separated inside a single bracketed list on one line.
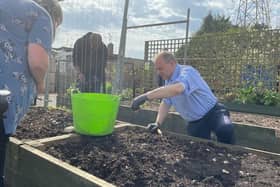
[(22, 22)]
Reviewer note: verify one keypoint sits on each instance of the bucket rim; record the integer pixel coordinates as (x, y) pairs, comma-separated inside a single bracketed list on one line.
[(103, 96)]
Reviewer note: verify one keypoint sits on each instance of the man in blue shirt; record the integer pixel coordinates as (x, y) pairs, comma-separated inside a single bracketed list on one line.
[(192, 98), (26, 34)]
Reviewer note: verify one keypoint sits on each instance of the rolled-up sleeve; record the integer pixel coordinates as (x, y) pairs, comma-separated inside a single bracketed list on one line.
[(167, 101), (189, 79), (42, 32)]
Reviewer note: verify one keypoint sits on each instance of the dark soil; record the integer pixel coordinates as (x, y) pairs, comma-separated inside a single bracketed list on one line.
[(42, 122), (134, 157)]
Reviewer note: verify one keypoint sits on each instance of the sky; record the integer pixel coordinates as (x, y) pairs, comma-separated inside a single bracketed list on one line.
[(105, 17)]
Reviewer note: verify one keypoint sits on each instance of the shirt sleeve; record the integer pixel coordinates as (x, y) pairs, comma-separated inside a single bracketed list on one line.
[(190, 79), (167, 101), (42, 31)]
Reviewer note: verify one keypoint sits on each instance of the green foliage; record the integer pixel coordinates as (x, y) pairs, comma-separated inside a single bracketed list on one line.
[(222, 52), (204, 38), (271, 98), (213, 24), (222, 58), (246, 95), (109, 87), (72, 89), (127, 94), (140, 90), (258, 95)]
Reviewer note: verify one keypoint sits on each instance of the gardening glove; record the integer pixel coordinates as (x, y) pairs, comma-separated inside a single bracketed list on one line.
[(138, 101), (154, 128)]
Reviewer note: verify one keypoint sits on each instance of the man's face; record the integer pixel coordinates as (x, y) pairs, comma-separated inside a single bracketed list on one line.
[(164, 69)]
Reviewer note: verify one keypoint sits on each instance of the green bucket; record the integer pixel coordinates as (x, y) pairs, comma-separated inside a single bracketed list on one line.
[(94, 113)]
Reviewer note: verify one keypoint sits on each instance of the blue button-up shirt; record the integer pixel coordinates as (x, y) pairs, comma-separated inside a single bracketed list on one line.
[(197, 98), (21, 22)]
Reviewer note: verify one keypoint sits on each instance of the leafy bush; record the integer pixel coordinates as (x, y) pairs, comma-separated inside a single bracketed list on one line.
[(257, 95), (271, 98), (109, 87), (127, 94), (72, 89)]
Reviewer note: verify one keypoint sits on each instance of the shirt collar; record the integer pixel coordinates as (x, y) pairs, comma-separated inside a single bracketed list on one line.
[(175, 73)]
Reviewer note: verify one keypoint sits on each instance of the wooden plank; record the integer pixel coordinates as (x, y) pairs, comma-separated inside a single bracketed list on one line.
[(39, 142), (172, 123), (12, 161), (38, 169), (255, 109), (257, 137)]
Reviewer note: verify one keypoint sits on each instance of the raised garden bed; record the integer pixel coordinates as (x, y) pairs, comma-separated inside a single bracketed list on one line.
[(266, 139), (144, 158), (42, 122), (38, 123), (134, 157), (253, 108), (29, 167)]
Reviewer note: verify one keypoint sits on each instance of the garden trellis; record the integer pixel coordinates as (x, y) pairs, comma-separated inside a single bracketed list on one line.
[(228, 61)]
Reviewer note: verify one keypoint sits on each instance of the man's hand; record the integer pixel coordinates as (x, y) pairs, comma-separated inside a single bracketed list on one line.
[(153, 127), (138, 101)]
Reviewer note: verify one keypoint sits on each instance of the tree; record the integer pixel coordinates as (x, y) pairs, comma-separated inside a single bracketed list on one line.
[(213, 24), (210, 24)]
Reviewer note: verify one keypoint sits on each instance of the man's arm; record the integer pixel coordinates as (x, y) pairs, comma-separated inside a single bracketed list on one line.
[(38, 60), (165, 92), (162, 112), (158, 93)]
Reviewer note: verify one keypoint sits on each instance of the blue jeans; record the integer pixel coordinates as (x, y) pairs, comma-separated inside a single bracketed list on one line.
[(217, 120)]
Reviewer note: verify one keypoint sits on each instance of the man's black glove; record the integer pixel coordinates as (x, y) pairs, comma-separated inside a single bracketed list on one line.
[(140, 100), (153, 127)]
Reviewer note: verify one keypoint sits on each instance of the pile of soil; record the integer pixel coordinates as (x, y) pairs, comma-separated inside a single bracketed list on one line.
[(133, 157), (42, 122)]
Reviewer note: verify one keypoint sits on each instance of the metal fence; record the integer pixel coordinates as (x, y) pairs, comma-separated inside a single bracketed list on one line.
[(66, 76), (227, 61)]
